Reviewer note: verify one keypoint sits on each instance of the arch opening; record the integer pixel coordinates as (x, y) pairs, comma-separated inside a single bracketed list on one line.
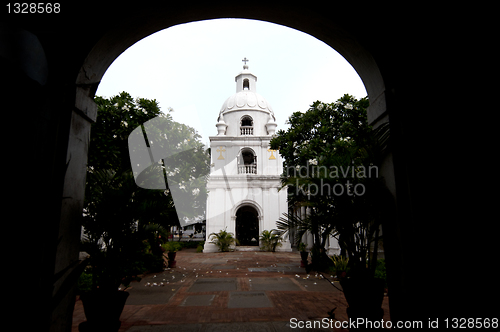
[(247, 121), (247, 226), (247, 162), (105, 52), (246, 126), (115, 42)]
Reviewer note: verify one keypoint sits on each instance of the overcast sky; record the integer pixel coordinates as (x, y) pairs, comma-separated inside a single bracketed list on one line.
[(191, 68)]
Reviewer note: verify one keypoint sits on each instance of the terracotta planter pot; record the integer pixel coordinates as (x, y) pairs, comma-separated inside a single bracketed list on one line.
[(303, 255), (102, 310), (171, 259), (364, 297)]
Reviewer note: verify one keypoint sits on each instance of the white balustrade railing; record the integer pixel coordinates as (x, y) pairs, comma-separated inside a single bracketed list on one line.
[(246, 130), (247, 169)]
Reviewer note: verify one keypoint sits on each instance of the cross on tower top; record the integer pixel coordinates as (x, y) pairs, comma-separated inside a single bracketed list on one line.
[(245, 60)]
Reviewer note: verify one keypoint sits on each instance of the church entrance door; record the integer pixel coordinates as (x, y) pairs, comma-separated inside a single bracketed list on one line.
[(247, 226)]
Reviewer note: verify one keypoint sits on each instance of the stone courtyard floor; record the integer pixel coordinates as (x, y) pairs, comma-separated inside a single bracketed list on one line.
[(233, 291)]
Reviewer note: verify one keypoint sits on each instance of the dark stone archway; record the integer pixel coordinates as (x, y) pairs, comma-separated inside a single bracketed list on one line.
[(407, 58), (247, 226)]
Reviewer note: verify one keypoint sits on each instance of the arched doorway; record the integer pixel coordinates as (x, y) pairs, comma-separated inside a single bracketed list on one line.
[(247, 226)]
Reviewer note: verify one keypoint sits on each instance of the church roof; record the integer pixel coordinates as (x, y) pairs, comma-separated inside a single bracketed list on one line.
[(246, 98)]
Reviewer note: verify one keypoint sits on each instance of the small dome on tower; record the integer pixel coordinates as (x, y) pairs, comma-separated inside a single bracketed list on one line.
[(246, 97)]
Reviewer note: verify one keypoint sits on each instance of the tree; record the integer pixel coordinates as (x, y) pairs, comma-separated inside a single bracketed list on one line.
[(330, 164), (109, 169), (118, 214)]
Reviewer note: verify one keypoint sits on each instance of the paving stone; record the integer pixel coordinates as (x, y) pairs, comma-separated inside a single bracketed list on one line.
[(167, 328), (223, 267), (151, 295), (213, 285), (140, 294), (308, 302), (318, 285), (197, 300), (198, 260), (287, 264), (285, 327), (240, 327), (249, 300), (258, 269), (282, 326), (214, 261), (273, 284), (295, 269)]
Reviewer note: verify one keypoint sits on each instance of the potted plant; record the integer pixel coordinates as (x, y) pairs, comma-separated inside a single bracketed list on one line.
[(269, 240), (303, 254), (340, 265), (110, 267), (354, 216), (171, 247), (116, 248), (359, 235), (224, 240)]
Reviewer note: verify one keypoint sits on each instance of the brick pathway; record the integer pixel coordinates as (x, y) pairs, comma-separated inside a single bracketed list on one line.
[(235, 287)]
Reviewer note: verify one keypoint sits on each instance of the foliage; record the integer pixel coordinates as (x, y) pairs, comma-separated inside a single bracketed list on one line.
[(380, 271), (331, 158), (117, 117), (324, 130), (224, 240), (186, 164), (199, 248), (340, 264), (84, 283), (270, 240), (124, 225), (154, 263), (155, 235), (302, 247), (172, 246)]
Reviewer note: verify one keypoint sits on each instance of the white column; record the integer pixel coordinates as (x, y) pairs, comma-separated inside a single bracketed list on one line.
[(333, 246), (215, 216)]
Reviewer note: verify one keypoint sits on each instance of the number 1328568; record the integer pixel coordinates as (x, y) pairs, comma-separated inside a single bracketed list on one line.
[(33, 8)]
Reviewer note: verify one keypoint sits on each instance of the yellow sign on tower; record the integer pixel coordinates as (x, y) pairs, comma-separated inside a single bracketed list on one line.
[(220, 150), (272, 157)]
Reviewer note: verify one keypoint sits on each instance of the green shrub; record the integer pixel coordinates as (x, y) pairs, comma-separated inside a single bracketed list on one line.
[(339, 264), (223, 240), (154, 263), (269, 240), (84, 283), (190, 244), (380, 271), (172, 246), (302, 247)]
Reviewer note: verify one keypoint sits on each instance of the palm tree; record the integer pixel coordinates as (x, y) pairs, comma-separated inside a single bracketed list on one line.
[(223, 240), (270, 240)]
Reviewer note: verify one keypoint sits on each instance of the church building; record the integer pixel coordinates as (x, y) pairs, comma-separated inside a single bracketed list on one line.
[(244, 195)]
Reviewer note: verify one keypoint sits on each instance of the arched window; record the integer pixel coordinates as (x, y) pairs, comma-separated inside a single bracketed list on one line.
[(247, 162), (246, 126), (246, 84)]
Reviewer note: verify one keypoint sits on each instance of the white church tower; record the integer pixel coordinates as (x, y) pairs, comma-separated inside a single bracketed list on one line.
[(244, 196)]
